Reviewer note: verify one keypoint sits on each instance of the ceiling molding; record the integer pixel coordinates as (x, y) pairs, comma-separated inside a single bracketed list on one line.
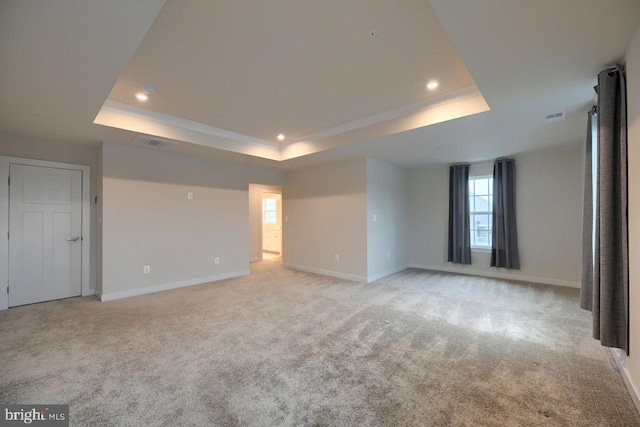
[(434, 114), (167, 119), (173, 128), (448, 106), (405, 110)]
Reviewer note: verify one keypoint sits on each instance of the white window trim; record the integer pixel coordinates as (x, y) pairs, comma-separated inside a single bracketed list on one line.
[(274, 210), (481, 249)]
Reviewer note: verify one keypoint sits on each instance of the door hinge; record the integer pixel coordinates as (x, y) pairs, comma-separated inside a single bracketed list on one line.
[(7, 289)]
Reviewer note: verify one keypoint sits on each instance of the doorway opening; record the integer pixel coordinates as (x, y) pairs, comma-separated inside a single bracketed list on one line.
[(271, 226), (265, 223)]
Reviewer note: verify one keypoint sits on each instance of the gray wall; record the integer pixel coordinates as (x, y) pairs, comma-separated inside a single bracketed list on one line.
[(633, 117), (326, 208), (98, 221), (148, 220), (549, 209), (387, 200), (19, 146)]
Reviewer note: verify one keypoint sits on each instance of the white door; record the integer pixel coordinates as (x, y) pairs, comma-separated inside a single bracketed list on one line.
[(45, 223)]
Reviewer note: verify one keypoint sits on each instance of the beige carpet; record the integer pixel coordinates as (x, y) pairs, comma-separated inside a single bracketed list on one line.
[(289, 348)]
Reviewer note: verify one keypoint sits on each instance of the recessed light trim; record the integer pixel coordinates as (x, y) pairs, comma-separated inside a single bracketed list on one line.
[(433, 85), (280, 137), (147, 90)]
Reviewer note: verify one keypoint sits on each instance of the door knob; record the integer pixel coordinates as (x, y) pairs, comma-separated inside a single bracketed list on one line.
[(74, 239)]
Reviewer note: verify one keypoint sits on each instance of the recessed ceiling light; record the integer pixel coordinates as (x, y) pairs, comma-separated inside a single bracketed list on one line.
[(147, 90), (432, 85), (280, 137)]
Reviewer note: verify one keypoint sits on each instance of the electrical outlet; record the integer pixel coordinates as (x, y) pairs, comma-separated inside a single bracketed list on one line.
[(190, 195), (146, 269), (337, 258), (216, 260), (388, 255), (375, 217)]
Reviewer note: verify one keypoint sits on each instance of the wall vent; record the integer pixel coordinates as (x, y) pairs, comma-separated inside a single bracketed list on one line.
[(149, 141), (556, 117)]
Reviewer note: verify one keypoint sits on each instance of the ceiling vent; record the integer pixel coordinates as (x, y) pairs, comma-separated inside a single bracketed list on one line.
[(556, 117), (148, 141)]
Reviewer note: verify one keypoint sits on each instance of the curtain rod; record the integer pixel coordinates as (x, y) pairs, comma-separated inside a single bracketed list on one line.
[(481, 163), (616, 66)]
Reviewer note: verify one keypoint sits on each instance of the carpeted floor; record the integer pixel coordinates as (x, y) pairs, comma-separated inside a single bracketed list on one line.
[(289, 348)]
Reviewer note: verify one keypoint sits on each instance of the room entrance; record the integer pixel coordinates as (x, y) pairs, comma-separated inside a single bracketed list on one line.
[(265, 223), (45, 218), (271, 225)]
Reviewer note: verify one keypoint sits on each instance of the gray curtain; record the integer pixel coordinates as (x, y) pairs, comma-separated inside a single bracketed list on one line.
[(504, 245), (586, 286), (459, 226), (611, 260)]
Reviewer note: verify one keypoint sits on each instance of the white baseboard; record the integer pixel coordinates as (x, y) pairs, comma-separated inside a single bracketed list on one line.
[(337, 274), (498, 275), (255, 259), (374, 277), (90, 292), (166, 286), (621, 360)]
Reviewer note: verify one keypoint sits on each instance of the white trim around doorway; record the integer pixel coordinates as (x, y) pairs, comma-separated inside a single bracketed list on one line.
[(5, 161)]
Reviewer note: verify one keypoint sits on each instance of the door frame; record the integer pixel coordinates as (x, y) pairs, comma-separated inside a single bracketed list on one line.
[(5, 162)]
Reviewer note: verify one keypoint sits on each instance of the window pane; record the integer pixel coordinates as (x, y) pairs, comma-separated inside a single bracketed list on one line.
[(482, 229), (482, 186), (482, 222), (270, 217), (481, 204), (480, 208), (271, 204)]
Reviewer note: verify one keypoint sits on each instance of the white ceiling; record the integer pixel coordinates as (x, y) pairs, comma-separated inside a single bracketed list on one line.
[(59, 61), (289, 66), (58, 64)]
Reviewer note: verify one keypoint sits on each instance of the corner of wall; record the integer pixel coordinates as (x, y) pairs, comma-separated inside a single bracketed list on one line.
[(632, 57)]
